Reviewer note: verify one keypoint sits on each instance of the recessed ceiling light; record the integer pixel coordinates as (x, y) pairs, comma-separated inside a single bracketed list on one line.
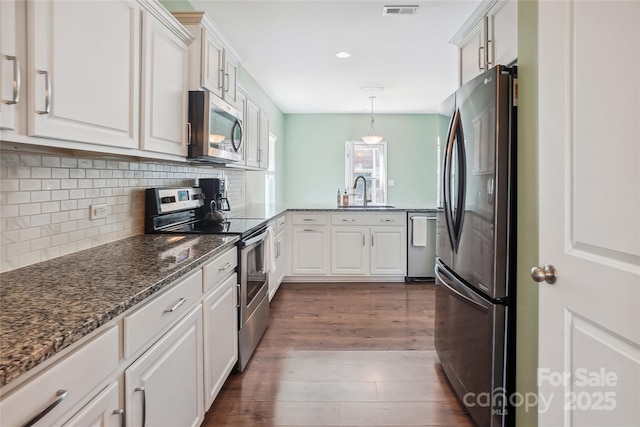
[(372, 88), (343, 55)]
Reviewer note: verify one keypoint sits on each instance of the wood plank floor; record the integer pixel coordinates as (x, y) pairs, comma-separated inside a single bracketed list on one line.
[(357, 354)]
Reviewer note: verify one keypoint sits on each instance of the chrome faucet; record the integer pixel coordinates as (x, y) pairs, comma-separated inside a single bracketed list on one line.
[(364, 195)]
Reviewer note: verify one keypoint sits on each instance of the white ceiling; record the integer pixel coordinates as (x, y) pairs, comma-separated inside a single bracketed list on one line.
[(289, 48)]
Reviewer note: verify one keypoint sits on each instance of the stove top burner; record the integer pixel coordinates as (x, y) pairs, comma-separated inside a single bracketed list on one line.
[(239, 226)]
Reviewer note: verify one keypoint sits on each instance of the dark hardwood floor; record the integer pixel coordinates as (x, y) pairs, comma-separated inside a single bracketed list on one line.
[(356, 354)]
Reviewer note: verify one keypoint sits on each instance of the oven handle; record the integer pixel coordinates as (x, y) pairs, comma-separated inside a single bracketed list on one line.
[(253, 240)]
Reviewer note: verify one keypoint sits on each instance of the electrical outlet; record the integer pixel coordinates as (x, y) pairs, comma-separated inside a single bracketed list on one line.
[(98, 211)]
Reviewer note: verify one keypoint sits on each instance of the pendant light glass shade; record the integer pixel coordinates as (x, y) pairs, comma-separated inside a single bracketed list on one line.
[(372, 138)]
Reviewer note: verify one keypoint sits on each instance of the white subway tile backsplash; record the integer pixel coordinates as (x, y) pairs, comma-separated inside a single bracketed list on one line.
[(60, 173), (45, 201), (51, 162), (30, 184), (69, 162), (41, 173)]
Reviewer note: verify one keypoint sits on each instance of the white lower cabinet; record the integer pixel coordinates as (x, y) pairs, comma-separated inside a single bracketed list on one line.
[(103, 411), (349, 250), (220, 336), (375, 251), (350, 244), (280, 249), (50, 397), (388, 250), (164, 387), (310, 250)]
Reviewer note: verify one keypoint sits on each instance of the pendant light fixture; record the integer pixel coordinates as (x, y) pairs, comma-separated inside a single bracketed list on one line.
[(372, 138)]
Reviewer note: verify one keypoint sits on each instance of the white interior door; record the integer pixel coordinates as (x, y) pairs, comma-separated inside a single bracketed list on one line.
[(589, 183)]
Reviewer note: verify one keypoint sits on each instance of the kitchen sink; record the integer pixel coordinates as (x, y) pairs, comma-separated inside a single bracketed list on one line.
[(368, 207)]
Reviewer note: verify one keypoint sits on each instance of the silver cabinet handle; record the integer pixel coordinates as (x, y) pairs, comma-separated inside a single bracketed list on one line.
[(480, 62), (60, 396), (226, 267), (47, 92), (363, 243), (308, 230), (226, 82), (188, 133), (16, 80), (178, 304), (144, 405), (222, 74), (372, 240), (120, 412), (309, 219), (387, 220), (348, 220), (238, 295)]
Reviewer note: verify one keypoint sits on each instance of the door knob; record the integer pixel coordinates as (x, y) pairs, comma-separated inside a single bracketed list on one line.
[(547, 273)]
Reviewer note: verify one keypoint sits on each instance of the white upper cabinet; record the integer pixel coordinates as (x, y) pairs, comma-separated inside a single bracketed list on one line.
[(213, 63), (503, 33), (83, 71), (11, 66), (488, 38), (165, 62)]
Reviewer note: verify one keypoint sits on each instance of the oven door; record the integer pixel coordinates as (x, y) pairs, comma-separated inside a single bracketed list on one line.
[(253, 275)]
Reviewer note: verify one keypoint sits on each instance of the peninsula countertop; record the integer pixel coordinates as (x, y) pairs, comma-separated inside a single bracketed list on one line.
[(48, 306)]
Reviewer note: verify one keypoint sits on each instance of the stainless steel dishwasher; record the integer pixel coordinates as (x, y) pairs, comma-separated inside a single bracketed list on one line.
[(421, 245)]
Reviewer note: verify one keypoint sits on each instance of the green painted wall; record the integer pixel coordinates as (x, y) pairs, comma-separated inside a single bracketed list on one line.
[(177, 5), (527, 304), (314, 155)]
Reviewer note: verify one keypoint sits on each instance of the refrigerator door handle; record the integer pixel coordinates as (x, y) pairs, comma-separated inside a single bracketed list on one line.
[(446, 179), (459, 294)]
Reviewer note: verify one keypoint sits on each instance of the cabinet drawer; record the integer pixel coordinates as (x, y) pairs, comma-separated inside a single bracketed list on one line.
[(281, 223), (148, 321), (219, 268), (310, 219), (368, 219), (67, 382)]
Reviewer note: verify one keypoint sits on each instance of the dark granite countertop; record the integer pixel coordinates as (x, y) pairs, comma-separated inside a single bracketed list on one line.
[(48, 306), (270, 212)]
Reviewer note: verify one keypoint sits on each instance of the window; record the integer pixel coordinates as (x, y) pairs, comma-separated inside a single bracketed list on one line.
[(369, 161)]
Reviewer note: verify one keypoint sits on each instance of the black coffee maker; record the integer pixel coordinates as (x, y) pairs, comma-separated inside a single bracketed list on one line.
[(215, 189)]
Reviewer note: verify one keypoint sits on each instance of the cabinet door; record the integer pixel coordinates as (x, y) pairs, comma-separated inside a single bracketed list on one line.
[(473, 55), (230, 80), (349, 250), (503, 35), (212, 64), (164, 386), (263, 140), (10, 67), (389, 250), (276, 277), (103, 411), (165, 60), (310, 250), (84, 71), (220, 337), (251, 132)]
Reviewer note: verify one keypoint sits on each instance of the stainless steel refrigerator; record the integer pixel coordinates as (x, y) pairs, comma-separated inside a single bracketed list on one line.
[(475, 235)]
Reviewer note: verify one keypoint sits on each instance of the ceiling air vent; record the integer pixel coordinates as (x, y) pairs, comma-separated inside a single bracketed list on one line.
[(399, 10)]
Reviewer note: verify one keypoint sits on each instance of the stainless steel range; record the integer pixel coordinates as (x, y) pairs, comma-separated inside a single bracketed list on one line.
[(183, 210)]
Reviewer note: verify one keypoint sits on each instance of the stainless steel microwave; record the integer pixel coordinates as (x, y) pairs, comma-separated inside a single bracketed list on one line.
[(215, 129)]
